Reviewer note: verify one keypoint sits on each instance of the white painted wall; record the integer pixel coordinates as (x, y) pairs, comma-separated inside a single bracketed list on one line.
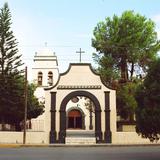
[(43, 138), (129, 138), (31, 137)]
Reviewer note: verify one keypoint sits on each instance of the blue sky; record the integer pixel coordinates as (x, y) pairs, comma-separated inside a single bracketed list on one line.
[(67, 25)]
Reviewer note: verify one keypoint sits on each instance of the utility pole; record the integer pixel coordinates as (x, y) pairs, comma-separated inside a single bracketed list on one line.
[(25, 106)]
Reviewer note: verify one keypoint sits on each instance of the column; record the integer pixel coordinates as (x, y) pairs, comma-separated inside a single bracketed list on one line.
[(107, 133), (62, 132), (53, 133), (98, 132), (90, 116)]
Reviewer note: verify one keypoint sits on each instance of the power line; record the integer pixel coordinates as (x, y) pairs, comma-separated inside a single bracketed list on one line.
[(26, 59), (59, 46)]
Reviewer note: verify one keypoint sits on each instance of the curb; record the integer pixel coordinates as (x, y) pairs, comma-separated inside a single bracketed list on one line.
[(77, 145)]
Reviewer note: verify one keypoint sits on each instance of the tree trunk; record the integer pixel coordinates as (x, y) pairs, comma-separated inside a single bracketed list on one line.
[(124, 71), (132, 70)]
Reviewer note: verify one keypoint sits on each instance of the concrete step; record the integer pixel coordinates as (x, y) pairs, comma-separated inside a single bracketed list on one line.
[(80, 137), (80, 140), (80, 133)]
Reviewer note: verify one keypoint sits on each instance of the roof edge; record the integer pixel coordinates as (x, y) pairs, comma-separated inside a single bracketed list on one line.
[(79, 64)]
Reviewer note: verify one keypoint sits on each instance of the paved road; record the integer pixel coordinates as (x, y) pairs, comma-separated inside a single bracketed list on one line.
[(81, 153)]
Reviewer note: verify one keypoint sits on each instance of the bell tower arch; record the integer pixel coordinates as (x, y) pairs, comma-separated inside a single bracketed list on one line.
[(45, 62)]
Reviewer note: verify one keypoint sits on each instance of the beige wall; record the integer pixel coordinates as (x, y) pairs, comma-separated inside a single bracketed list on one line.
[(129, 138), (43, 138), (31, 137)]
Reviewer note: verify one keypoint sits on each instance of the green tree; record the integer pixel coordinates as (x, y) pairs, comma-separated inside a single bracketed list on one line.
[(124, 44), (34, 108), (148, 110), (13, 107), (10, 61), (126, 101), (12, 79)]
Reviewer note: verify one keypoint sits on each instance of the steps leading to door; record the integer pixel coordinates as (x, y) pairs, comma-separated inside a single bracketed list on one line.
[(80, 140), (80, 137)]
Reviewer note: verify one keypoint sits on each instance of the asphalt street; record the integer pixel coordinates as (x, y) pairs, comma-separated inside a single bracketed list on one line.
[(81, 153)]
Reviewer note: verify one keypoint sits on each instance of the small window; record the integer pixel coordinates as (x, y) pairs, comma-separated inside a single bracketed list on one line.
[(50, 78), (40, 77)]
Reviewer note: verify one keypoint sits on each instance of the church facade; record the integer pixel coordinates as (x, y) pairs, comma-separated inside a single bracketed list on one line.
[(77, 102), (80, 82), (79, 108)]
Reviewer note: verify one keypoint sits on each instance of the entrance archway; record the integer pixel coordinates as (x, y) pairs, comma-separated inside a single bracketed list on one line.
[(74, 119), (63, 116)]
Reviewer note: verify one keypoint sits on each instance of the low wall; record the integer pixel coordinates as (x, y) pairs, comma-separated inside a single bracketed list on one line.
[(129, 138), (17, 137), (43, 138)]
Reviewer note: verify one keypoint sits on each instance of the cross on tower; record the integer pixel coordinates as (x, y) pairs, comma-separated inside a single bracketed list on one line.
[(80, 52)]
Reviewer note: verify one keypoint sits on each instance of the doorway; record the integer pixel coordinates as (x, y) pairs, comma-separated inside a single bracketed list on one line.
[(74, 119), (64, 114)]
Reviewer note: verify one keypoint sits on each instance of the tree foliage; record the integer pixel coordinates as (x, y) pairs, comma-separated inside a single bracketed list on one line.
[(12, 79), (15, 113), (148, 110), (10, 61), (126, 100), (124, 44), (35, 108)]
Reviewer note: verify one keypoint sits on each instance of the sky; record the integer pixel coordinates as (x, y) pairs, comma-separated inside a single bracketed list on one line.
[(67, 25)]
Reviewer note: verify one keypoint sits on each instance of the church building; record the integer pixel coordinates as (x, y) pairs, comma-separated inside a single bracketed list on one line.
[(79, 108), (77, 103)]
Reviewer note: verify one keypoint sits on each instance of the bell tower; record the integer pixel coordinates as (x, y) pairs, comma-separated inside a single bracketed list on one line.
[(45, 71)]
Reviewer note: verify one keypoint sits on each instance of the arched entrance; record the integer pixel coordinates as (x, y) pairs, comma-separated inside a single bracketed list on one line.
[(74, 119), (63, 115)]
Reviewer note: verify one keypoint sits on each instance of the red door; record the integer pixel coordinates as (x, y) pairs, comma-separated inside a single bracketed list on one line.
[(74, 119)]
